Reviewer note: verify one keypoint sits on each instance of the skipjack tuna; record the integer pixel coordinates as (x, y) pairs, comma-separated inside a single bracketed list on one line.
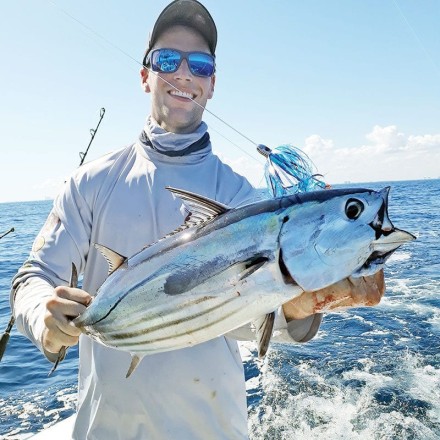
[(227, 267)]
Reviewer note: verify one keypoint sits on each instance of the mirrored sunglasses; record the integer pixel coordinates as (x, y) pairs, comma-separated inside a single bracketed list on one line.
[(169, 60)]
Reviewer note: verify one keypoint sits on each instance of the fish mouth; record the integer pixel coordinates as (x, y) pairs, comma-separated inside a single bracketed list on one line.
[(390, 241), (375, 260), (382, 250)]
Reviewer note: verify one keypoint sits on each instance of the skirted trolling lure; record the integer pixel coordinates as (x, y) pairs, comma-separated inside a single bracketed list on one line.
[(289, 170)]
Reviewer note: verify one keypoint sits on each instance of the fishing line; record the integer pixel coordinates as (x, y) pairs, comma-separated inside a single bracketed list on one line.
[(211, 128), (425, 51), (289, 169), (114, 46)]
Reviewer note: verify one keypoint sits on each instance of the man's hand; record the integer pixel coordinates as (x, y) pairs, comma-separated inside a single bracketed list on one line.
[(350, 292), (65, 304)]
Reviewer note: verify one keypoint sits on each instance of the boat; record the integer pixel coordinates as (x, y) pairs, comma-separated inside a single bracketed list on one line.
[(60, 430)]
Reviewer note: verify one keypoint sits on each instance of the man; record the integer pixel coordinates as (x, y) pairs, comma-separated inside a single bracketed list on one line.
[(120, 201)]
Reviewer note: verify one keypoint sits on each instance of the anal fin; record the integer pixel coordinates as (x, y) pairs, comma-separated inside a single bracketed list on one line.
[(135, 359)]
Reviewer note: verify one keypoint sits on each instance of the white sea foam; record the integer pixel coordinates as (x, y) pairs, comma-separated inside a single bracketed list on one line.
[(434, 321), (398, 257), (31, 407), (320, 408), (423, 382), (376, 333)]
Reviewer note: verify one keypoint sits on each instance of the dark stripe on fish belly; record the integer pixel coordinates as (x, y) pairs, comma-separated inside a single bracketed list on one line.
[(176, 336), (127, 335), (143, 316)]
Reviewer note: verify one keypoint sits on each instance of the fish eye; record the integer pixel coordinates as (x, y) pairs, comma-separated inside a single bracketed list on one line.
[(353, 208)]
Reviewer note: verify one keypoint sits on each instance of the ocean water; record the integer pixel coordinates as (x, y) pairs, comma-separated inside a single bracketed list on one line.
[(371, 373)]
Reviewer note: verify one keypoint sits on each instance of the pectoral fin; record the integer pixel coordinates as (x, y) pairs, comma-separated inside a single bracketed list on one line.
[(181, 281), (264, 328), (252, 266)]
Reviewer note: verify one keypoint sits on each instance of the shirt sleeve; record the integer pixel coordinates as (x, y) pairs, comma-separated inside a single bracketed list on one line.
[(62, 242)]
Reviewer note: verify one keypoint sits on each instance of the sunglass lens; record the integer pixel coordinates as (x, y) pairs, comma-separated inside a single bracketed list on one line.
[(165, 60), (201, 64)]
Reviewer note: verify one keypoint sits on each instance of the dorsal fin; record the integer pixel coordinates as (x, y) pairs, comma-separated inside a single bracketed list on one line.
[(200, 208), (114, 259)]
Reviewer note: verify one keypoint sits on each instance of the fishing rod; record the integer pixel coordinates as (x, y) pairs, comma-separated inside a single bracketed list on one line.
[(5, 336), (6, 233), (93, 131), (4, 339)]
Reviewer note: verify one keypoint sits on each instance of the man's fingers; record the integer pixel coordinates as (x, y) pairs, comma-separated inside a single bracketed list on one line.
[(375, 288), (65, 304), (368, 290), (59, 332), (57, 321), (64, 308), (53, 341), (349, 292), (73, 294)]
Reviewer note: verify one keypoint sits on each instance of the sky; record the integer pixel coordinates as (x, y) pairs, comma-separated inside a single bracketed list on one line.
[(354, 84)]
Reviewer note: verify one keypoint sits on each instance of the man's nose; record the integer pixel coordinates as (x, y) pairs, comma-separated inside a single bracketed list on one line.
[(183, 72)]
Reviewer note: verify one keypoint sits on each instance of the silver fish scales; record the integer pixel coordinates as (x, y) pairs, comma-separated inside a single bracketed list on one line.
[(227, 267)]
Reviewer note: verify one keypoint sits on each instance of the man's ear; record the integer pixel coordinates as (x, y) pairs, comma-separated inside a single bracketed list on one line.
[(211, 91), (144, 80)]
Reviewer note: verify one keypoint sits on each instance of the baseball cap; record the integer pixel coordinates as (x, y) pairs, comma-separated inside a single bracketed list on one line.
[(189, 13)]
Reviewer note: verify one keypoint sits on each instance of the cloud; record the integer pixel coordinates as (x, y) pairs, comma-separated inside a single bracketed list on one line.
[(386, 139), (315, 145), (252, 169), (388, 154), (49, 187)]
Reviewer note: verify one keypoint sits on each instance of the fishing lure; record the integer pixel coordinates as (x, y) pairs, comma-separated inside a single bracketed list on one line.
[(289, 170)]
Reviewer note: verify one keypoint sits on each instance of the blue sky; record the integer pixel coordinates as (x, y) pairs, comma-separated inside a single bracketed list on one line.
[(355, 84)]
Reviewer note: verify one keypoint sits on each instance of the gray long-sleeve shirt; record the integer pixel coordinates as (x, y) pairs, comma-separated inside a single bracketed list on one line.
[(120, 201)]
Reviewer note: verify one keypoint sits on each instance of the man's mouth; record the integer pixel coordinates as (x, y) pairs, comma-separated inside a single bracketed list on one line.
[(181, 94)]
